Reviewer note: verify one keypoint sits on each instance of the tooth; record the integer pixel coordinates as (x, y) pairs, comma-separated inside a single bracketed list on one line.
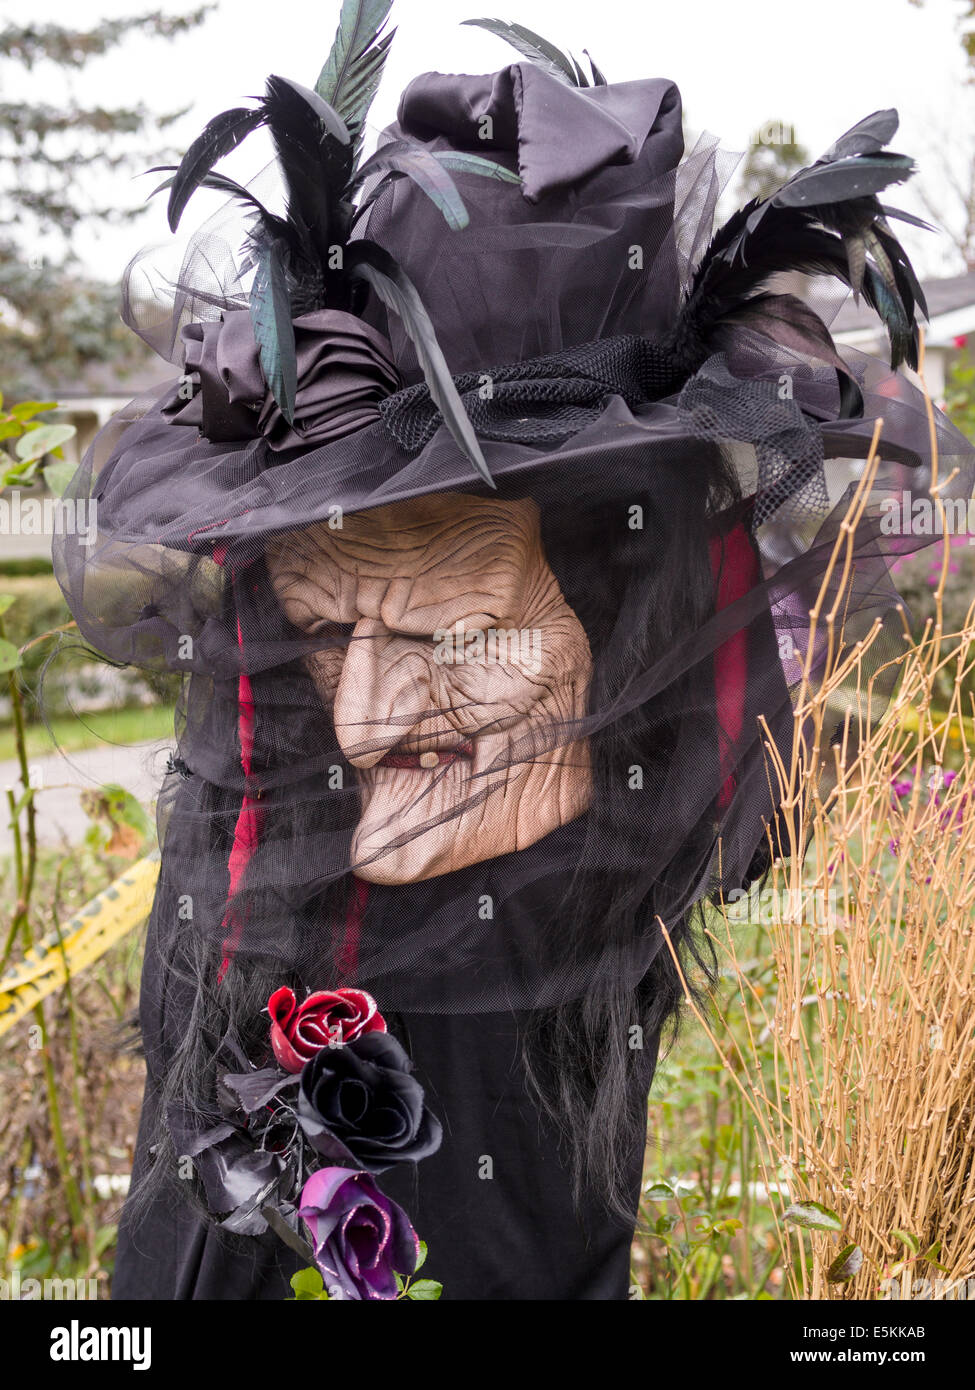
[(429, 759)]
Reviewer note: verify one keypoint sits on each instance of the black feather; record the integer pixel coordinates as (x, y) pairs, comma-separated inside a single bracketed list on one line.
[(455, 161), (377, 267), (530, 45), (856, 177), (825, 220), (217, 139), (581, 79), (866, 137), (906, 217), (306, 260), (597, 77), (317, 165), (219, 183)]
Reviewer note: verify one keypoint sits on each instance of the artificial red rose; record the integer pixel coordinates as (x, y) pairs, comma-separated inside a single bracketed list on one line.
[(327, 1018)]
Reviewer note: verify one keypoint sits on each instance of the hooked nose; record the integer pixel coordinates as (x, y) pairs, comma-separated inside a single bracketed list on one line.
[(383, 692)]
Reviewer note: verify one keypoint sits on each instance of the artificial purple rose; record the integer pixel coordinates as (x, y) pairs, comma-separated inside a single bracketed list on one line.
[(360, 1105), (362, 1239)]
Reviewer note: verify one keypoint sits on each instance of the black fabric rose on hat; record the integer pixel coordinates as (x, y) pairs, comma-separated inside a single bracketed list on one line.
[(360, 1105), (345, 369)]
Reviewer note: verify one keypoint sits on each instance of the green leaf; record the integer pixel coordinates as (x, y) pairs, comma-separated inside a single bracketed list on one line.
[(846, 1266), (27, 409), (932, 1252), (659, 1192), (421, 1258), (912, 1242), (35, 443), (104, 1237), (58, 476), (126, 823), (6, 600), (424, 1290), (308, 1283), (19, 474), (812, 1216), (9, 656)]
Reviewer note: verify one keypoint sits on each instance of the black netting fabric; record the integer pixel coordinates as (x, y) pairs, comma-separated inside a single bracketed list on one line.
[(544, 400)]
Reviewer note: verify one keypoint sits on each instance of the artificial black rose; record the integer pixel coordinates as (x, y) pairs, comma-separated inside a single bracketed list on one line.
[(360, 1106)]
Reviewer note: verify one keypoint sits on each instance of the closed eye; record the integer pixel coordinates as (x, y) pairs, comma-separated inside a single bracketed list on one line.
[(325, 627)]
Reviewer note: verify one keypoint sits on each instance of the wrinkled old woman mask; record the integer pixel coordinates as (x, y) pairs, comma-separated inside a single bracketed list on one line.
[(456, 657)]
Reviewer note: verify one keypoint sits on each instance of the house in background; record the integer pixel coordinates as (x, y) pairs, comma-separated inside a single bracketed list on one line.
[(88, 403), (104, 389)]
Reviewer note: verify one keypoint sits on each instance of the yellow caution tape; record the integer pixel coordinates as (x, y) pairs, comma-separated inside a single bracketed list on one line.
[(80, 942)]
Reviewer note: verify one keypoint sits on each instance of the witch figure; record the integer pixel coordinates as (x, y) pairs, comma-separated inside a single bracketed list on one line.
[(483, 522)]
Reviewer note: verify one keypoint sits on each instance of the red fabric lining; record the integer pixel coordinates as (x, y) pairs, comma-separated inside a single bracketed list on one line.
[(248, 828), (734, 564)]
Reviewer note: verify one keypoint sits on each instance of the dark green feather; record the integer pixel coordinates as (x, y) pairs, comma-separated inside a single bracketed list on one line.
[(394, 288), (270, 307), (459, 162), (427, 172), (354, 67), (531, 45)]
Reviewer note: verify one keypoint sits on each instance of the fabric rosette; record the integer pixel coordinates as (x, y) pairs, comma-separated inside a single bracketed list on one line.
[(345, 369), (326, 1018), (361, 1238), (361, 1106)]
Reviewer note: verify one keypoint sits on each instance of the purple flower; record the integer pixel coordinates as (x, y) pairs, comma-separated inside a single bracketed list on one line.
[(362, 1239)]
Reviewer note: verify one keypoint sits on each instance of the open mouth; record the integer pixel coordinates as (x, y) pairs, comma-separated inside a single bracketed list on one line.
[(431, 759)]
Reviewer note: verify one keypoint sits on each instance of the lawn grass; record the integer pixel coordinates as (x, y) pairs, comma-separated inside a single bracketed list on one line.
[(73, 732)]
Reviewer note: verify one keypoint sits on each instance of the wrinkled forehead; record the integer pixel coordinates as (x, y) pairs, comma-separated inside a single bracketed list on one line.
[(448, 532), (427, 553)]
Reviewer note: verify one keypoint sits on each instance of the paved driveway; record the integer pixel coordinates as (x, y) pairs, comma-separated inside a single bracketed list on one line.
[(62, 777)]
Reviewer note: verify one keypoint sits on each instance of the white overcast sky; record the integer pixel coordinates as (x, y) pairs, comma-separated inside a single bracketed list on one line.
[(821, 65)]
